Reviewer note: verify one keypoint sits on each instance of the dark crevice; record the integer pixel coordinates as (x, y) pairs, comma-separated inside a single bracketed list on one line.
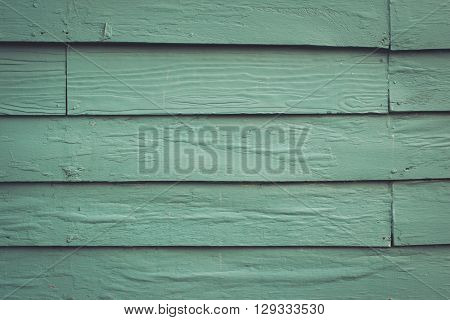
[(66, 73)]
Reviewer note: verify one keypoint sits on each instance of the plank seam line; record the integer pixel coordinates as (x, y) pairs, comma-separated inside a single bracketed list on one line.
[(391, 190), (253, 115), (233, 248), (389, 26), (66, 80), (237, 182), (388, 57)]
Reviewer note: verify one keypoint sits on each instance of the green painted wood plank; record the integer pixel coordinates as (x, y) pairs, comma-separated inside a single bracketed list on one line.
[(195, 214), (421, 213), (219, 148), (309, 22), (225, 273), (32, 79), (225, 80), (225, 148), (420, 80), (420, 24), (421, 146)]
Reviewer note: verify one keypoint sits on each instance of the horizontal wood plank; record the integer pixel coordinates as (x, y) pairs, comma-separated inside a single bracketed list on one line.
[(32, 79), (132, 80), (195, 214), (420, 80), (309, 22), (225, 273), (225, 148), (421, 146), (421, 213), (420, 24), (219, 148)]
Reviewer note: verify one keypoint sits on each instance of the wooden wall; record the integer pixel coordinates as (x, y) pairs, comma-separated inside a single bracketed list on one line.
[(364, 85)]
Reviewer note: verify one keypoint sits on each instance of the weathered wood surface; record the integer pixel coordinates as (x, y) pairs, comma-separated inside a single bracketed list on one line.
[(225, 148), (420, 80), (420, 24), (421, 146), (195, 214), (224, 80), (231, 148), (309, 22), (421, 213), (225, 273), (32, 79)]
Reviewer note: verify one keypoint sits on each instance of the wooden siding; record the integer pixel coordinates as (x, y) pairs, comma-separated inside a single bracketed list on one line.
[(226, 273), (419, 80), (421, 146), (32, 79), (420, 24), (196, 214), (107, 149), (422, 213), (334, 148), (352, 23), (225, 80), (211, 149)]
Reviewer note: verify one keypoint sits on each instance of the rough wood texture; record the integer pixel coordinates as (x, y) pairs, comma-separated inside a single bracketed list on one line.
[(32, 79), (421, 146), (107, 148), (226, 273), (420, 24), (197, 214), (422, 213), (420, 80), (319, 148), (224, 80), (312, 22)]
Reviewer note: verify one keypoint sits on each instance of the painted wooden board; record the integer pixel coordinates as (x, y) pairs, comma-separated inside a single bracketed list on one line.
[(225, 80), (420, 80), (225, 273), (219, 148), (32, 79), (421, 213), (421, 146), (420, 24), (225, 148), (309, 22), (195, 214)]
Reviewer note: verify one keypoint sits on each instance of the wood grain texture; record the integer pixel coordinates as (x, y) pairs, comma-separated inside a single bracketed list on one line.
[(165, 80), (420, 24), (421, 213), (225, 148), (420, 80), (421, 146), (195, 214), (291, 148), (225, 273), (32, 79), (308, 22)]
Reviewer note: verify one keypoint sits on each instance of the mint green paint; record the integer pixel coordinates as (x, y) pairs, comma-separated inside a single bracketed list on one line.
[(421, 148), (206, 81), (225, 80), (422, 213), (32, 79), (419, 80), (106, 148), (336, 148), (353, 23), (420, 24), (226, 273), (198, 214)]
